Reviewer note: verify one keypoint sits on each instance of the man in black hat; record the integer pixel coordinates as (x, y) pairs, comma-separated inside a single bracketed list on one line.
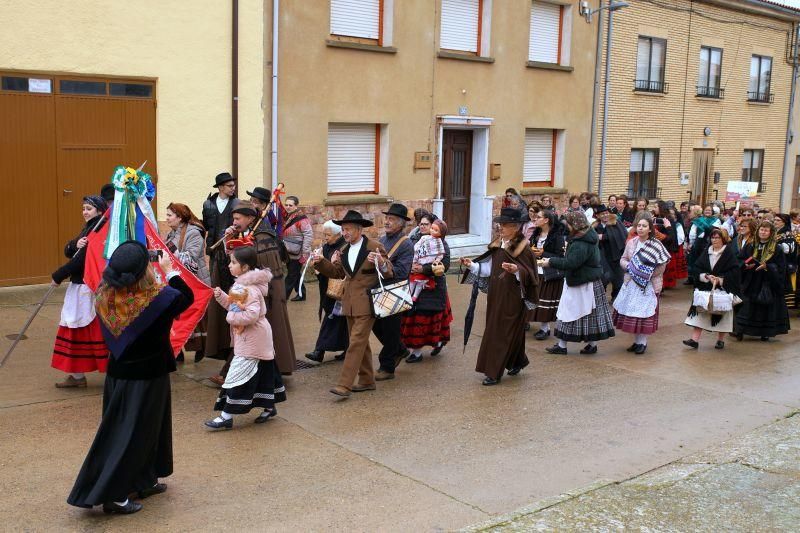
[(401, 254), (613, 237), (357, 262), (217, 217)]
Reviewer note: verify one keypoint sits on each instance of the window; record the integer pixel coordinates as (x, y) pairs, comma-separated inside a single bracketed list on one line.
[(650, 63), (710, 75), (134, 90), (461, 25), (353, 158), (31, 85), (760, 76), (360, 19), (643, 179), (539, 166), (547, 21), (752, 165), (83, 87)]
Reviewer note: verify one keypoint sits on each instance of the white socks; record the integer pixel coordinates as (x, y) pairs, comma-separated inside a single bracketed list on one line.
[(122, 504), (79, 375), (416, 353), (562, 343), (223, 416), (592, 343), (545, 326), (640, 339)]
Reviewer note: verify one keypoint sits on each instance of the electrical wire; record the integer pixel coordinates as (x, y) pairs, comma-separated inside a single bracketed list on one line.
[(714, 18)]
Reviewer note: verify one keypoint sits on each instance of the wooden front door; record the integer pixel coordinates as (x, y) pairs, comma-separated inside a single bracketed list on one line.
[(456, 179), (702, 172)]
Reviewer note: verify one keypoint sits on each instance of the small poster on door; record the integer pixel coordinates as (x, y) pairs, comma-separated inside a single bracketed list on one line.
[(39, 86), (741, 191)]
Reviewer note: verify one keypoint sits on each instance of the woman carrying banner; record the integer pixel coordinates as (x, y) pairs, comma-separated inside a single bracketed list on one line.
[(79, 346), (133, 445)]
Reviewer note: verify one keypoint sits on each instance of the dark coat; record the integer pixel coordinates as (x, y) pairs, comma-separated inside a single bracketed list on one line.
[(215, 222), (73, 269), (727, 268), (553, 247), (150, 355), (581, 262), (434, 300), (401, 258)]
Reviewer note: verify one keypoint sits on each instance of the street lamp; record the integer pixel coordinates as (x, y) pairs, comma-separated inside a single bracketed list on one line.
[(585, 10)]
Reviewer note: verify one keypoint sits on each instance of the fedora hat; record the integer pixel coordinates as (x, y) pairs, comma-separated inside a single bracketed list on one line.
[(245, 208), (222, 178), (398, 210), (354, 217), (508, 215), (261, 193), (602, 208)]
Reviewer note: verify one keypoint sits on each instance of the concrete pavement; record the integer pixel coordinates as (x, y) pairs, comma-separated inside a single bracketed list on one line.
[(430, 450)]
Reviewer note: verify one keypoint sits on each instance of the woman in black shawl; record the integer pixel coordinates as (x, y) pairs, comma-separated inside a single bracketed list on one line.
[(547, 241), (763, 312), (133, 445)]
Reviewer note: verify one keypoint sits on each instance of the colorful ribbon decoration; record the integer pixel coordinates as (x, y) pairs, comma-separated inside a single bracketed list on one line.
[(133, 192)]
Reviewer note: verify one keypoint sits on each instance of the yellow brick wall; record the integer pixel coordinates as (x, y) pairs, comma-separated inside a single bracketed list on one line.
[(675, 121)]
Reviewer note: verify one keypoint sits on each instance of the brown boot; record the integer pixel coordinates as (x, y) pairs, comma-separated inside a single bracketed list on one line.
[(72, 383), (383, 375), (338, 390), (362, 388)]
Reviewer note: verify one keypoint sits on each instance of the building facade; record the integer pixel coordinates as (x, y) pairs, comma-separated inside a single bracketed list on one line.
[(699, 97)]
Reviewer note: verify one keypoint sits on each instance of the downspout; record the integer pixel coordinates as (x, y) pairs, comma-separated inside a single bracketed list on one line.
[(235, 90), (274, 114), (606, 85), (598, 58), (789, 133)]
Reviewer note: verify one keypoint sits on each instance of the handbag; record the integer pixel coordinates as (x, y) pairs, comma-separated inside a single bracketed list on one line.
[(336, 288), (764, 295), (388, 300), (438, 268)]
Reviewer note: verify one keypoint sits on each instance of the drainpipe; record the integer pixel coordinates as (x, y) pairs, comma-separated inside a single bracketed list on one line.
[(235, 91), (598, 58), (789, 132), (606, 87), (274, 114)]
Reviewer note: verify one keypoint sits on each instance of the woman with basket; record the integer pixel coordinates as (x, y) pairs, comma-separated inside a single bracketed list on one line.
[(333, 335), (717, 290)]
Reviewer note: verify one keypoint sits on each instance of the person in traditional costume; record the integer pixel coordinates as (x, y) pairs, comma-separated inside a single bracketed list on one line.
[(583, 312), (186, 240), (763, 312), (297, 236), (510, 266), (273, 255), (333, 335), (699, 231), (217, 217), (716, 267), (612, 238), (636, 306), (358, 263), (253, 379), (79, 345), (666, 231), (400, 251), (428, 322), (546, 241), (679, 256), (786, 240), (133, 445)]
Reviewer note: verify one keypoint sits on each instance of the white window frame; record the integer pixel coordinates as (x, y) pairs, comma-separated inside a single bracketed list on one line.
[(336, 184), (564, 34), (483, 28)]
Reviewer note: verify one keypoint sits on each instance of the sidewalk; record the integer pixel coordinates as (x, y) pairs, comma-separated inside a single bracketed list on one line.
[(751, 483)]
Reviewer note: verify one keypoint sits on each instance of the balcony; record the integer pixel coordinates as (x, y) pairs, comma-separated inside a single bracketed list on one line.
[(649, 193), (710, 92), (648, 86), (764, 98)]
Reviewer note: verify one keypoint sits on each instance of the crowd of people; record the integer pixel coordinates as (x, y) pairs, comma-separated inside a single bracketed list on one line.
[(580, 274)]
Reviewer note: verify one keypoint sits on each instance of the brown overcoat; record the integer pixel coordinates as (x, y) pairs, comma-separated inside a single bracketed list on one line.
[(503, 342)]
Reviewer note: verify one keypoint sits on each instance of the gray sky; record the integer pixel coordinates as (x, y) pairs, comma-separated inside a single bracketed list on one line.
[(791, 3)]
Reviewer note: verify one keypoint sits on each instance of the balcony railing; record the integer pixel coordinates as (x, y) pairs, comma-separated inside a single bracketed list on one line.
[(754, 96), (648, 86), (649, 193), (710, 92)]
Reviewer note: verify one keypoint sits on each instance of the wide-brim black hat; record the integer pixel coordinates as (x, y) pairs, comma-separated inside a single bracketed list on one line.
[(261, 193), (398, 210), (127, 264), (602, 208), (354, 217), (508, 215), (222, 178)]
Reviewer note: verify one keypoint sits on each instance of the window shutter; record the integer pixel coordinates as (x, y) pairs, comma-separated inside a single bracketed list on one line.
[(351, 157), (356, 18), (459, 29), (545, 32), (538, 163), (637, 162)]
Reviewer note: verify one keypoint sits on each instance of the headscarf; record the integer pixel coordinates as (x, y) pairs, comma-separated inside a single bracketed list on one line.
[(704, 223), (577, 221), (97, 202), (764, 251)]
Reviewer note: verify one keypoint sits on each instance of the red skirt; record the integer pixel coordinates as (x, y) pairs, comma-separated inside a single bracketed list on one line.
[(642, 326), (421, 329), (671, 273), (80, 350)]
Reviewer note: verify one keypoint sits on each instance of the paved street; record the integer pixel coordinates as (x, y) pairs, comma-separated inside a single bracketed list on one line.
[(433, 449)]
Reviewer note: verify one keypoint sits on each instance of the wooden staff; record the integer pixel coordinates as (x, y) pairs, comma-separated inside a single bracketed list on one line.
[(275, 195)]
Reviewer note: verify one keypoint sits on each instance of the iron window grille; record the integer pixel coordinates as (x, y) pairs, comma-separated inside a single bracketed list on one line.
[(758, 89), (755, 96), (649, 193), (650, 86), (710, 72), (651, 58), (710, 92)]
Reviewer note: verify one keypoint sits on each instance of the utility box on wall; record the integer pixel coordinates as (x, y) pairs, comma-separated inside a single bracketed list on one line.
[(495, 171), (422, 160)]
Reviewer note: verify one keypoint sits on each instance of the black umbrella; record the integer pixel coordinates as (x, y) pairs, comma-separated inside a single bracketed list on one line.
[(470, 316)]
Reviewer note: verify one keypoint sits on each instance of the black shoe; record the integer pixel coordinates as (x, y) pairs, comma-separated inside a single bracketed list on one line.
[(401, 356), (589, 349), (490, 381), (556, 350), (436, 351), (516, 370), (266, 415), (764, 339), (541, 335), (720, 345), (632, 348), (158, 488), (298, 299), (129, 508), (340, 357), (225, 424), (199, 355), (640, 349), (316, 355), (691, 343), (414, 358)]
